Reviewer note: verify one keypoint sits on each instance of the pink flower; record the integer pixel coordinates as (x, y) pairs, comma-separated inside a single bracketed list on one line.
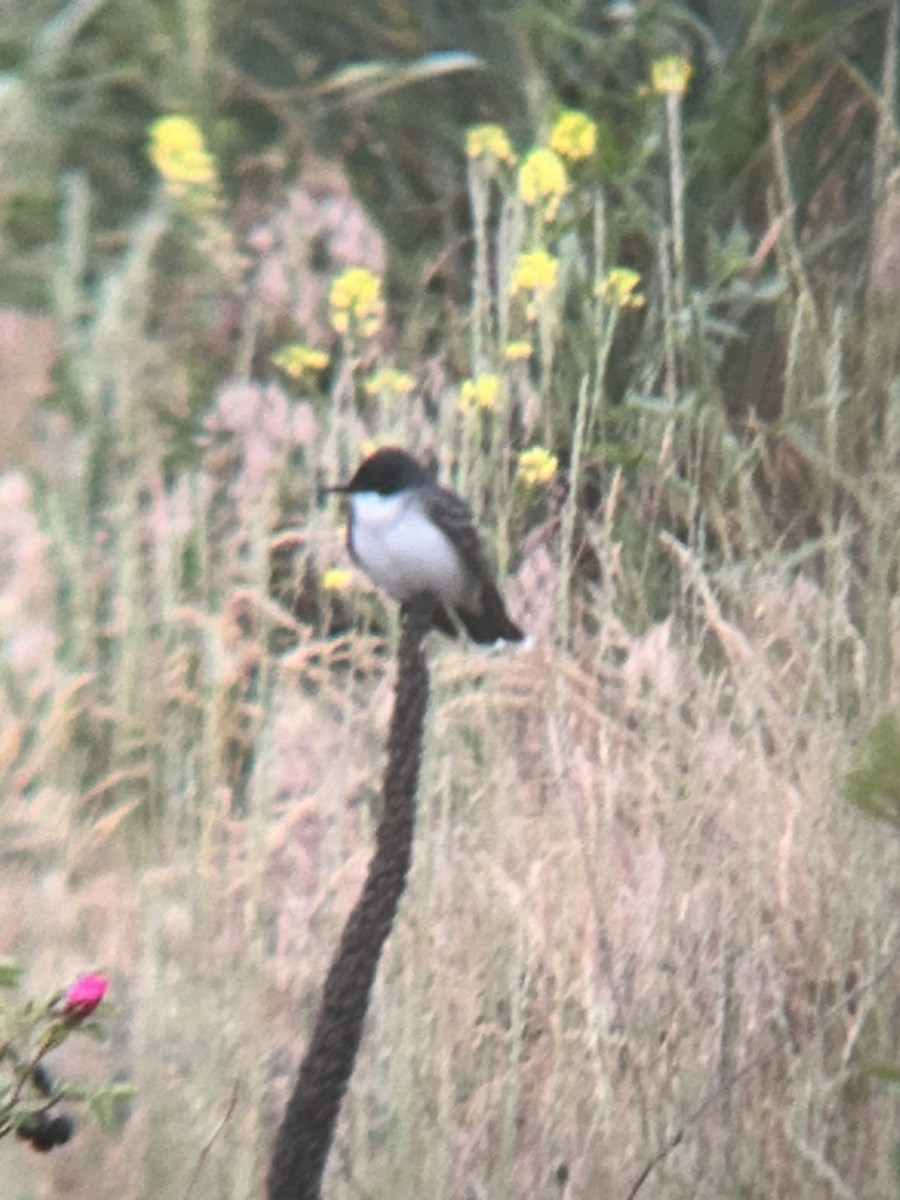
[(83, 996)]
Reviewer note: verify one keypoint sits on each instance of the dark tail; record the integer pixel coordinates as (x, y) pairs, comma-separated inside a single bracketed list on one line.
[(485, 628), (492, 623), (442, 620)]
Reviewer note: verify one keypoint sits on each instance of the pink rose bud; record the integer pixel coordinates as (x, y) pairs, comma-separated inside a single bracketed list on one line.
[(83, 996)]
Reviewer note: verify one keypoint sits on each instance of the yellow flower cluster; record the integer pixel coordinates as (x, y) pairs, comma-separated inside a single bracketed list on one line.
[(389, 382), (574, 136), (178, 152), (671, 75), (517, 351), (543, 180), (618, 288), (536, 465), (480, 392), (356, 299), (535, 271), (295, 360), (337, 579), (490, 141)]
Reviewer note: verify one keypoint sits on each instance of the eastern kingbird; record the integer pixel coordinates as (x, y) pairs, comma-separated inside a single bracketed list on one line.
[(411, 535)]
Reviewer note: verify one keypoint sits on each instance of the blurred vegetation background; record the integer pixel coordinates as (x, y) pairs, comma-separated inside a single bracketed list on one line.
[(636, 871)]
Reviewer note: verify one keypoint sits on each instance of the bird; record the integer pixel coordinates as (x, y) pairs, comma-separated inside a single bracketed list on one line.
[(410, 535)]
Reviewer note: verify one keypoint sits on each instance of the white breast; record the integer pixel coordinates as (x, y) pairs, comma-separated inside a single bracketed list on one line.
[(403, 552)]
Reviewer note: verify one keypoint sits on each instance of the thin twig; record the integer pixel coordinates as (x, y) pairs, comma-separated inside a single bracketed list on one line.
[(204, 1153)]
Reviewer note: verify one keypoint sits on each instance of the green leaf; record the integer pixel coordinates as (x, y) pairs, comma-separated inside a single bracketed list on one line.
[(10, 973), (105, 1106), (873, 786), (366, 80), (885, 1071)]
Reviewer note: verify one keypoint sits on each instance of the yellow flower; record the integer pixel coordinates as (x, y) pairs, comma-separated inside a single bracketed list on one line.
[(178, 152), (356, 296), (574, 135), (480, 392), (542, 178), (337, 579), (517, 351), (535, 271), (389, 381), (671, 75), (536, 465), (489, 141), (618, 288), (294, 360)]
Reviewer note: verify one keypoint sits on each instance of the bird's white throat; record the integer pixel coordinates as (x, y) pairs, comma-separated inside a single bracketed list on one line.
[(371, 509), (403, 551)]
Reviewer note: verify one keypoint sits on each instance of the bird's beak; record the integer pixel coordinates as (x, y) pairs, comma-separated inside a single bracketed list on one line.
[(339, 489)]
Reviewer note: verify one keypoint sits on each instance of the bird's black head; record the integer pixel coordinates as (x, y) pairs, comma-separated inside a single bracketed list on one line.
[(387, 471)]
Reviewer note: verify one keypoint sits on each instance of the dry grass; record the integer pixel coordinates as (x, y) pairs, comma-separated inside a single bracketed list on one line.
[(638, 902), (634, 879)]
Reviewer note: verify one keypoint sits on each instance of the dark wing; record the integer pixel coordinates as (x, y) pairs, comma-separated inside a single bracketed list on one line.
[(451, 513), (486, 619)]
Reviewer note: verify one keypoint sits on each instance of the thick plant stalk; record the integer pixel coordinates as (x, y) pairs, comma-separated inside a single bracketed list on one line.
[(307, 1130)]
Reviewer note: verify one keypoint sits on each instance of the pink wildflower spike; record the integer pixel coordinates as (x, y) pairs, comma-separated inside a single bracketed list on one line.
[(83, 996)]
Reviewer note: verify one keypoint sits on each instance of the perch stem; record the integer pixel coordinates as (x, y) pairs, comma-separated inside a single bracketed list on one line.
[(307, 1130)]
